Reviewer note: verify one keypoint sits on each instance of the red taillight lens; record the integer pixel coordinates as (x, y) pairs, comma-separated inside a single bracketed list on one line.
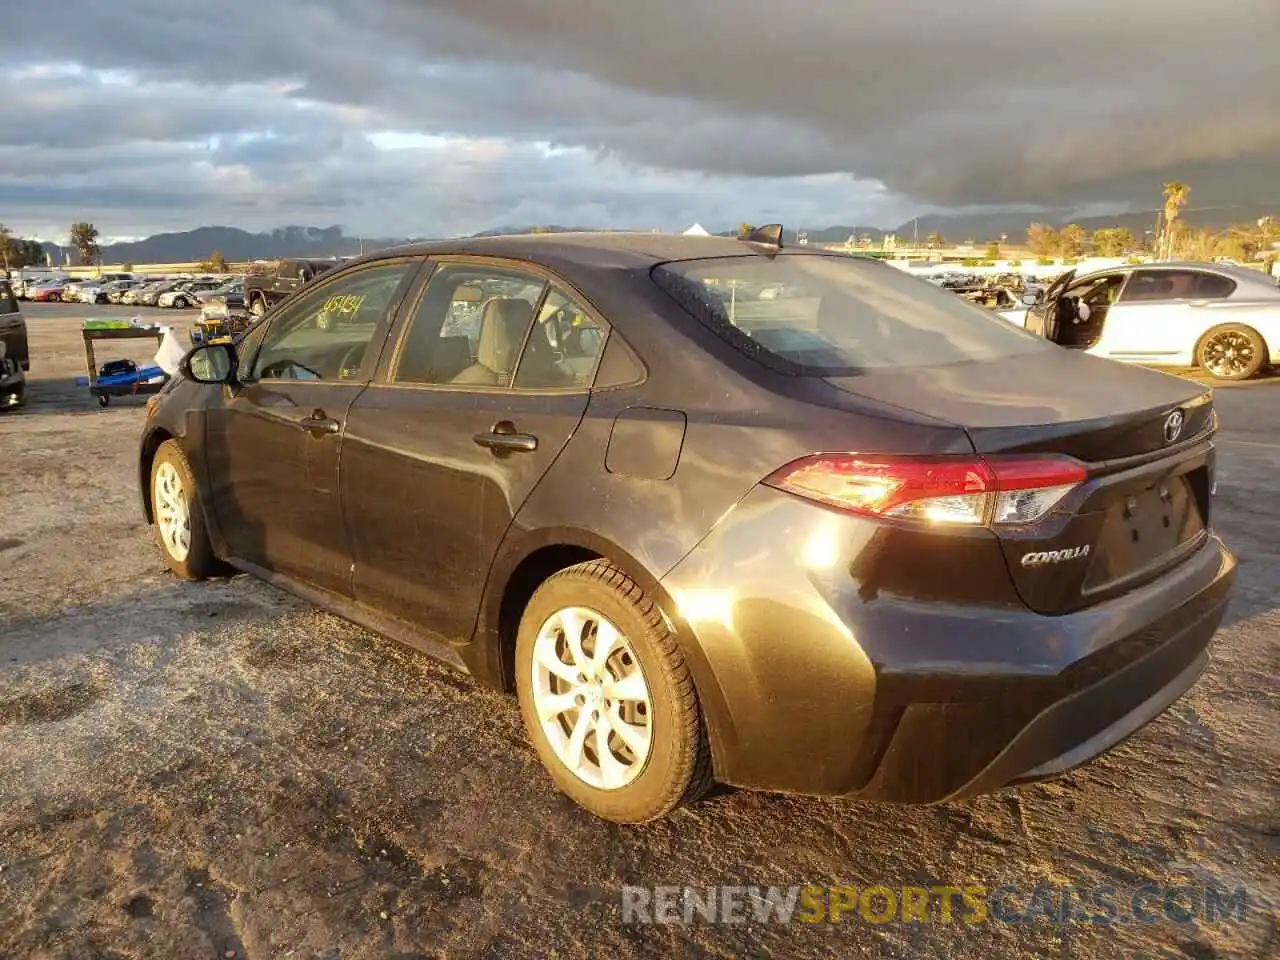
[(956, 490)]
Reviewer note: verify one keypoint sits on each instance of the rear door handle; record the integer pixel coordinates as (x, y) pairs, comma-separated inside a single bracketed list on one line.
[(318, 424), (503, 438)]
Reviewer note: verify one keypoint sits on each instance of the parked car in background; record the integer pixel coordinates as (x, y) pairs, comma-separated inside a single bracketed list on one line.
[(1222, 318), (117, 289), (186, 293), (226, 301), (49, 291), (1014, 573), (149, 296), (277, 281), (71, 290), (13, 328), (134, 296), (102, 291), (13, 381), (27, 282)]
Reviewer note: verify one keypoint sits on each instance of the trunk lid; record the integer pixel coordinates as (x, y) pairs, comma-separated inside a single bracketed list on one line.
[(1145, 438)]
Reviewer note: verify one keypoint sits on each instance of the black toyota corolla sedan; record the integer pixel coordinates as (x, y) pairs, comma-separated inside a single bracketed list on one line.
[(714, 510)]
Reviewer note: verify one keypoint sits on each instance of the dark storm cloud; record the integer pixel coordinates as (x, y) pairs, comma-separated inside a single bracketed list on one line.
[(681, 102), (1002, 100)]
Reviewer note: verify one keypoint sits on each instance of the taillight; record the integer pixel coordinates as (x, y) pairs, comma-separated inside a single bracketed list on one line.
[(960, 490)]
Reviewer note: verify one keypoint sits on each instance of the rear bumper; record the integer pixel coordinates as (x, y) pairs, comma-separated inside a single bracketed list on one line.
[(815, 680)]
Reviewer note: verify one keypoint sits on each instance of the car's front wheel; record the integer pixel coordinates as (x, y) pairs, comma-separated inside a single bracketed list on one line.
[(1232, 351), (607, 697), (179, 521)]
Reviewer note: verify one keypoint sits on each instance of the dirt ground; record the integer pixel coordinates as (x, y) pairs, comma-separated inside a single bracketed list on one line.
[(217, 770)]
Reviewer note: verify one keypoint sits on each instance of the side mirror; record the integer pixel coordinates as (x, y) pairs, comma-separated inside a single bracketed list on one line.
[(210, 363), (1030, 299)]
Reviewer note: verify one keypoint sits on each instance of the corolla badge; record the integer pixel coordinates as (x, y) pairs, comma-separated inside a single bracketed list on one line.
[(1173, 426), (1054, 556)]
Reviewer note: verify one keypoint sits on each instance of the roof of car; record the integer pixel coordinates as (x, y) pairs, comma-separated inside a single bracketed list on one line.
[(1235, 271), (617, 250)]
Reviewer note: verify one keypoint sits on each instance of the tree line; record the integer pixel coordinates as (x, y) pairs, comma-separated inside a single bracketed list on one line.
[(16, 252)]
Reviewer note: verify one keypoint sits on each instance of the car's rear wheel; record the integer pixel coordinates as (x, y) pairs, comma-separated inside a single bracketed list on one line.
[(1232, 351), (607, 696), (179, 521), (55, 298)]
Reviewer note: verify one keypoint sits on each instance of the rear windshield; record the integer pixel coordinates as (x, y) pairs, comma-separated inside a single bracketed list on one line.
[(838, 315)]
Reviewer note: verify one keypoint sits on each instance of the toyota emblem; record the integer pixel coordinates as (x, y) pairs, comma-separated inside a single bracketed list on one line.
[(1173, 426)]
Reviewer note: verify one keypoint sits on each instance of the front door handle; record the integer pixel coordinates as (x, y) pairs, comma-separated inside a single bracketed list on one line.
[(503, 438), (318, 424)]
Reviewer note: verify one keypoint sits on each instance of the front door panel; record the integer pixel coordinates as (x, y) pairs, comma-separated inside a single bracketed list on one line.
[(272, 452)]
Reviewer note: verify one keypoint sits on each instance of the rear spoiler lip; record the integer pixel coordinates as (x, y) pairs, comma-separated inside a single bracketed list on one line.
[(1204, 439)]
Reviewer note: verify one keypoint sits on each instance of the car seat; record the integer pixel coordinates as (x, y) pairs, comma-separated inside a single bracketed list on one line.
[(503, 323)]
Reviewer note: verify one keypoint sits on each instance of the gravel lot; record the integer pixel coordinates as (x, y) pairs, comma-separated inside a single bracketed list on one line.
[(188, 770)]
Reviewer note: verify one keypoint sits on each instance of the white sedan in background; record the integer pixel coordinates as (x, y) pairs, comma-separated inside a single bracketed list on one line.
[(186, 294), (1222, 318)]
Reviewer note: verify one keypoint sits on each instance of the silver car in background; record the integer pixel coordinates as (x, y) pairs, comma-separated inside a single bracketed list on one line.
[(1220, 317)]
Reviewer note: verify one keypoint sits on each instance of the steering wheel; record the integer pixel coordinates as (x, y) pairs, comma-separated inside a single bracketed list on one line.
[(351, 360), (283, 370)]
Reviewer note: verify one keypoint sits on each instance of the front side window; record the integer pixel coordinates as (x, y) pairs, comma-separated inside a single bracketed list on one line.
[(1098, 291), (810, 315), (324, 334), (469, 326)]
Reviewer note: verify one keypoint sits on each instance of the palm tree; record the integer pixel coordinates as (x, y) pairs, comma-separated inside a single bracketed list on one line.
[(1175, 198)]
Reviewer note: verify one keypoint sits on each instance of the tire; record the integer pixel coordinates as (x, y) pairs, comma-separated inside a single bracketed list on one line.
[(1231, 352), (180, 303), (198, 561), (55, 298), (676, 764)]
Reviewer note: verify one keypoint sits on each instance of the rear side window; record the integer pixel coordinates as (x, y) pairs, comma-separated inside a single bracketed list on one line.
[(8, 304), (469, 326), (837, 316), (1148, 285)]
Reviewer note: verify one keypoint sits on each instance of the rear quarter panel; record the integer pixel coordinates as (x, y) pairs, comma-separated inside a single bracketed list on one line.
[(1263, 316)]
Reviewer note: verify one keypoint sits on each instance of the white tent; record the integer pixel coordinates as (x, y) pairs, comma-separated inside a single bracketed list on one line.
[(696, 230)]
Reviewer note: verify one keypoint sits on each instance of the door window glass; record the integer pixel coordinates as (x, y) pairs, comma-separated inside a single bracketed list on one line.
[(324, 335), (1098, 291), (1149, 285), (562, 348), (469, 326)]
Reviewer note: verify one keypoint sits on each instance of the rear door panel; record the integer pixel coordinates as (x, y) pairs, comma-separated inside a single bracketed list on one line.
[(427, 506)]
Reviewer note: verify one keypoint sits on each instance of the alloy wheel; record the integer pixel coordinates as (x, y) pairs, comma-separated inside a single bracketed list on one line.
[(1228, 354), (591, 697), (173, 513)]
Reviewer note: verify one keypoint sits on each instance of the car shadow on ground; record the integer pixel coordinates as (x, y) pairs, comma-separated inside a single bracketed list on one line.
[(63, 395), (247, 764)]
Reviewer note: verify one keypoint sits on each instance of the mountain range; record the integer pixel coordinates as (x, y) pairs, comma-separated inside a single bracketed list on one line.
[(300, 241)]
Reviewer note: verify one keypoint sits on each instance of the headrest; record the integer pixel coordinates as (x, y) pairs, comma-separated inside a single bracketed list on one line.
[(502, 327)]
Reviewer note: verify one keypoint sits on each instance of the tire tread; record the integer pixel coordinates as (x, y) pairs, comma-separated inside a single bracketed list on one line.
[(697, 774)]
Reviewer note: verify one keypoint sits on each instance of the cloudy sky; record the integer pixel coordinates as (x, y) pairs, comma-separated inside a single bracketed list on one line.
[(441, 117)]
